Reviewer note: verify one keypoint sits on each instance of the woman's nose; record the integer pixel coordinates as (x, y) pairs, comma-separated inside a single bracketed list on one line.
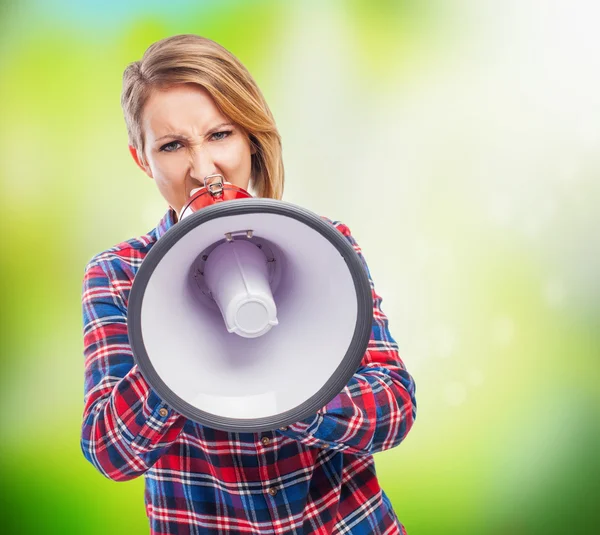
[(202, 164)]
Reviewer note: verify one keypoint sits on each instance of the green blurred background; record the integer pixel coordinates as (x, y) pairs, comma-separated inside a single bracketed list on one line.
[(459, 141)]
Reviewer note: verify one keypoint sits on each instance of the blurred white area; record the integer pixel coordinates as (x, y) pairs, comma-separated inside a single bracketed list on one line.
[(494, 137)]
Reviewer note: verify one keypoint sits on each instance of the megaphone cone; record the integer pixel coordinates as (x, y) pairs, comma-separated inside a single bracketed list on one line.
[(250, 314)]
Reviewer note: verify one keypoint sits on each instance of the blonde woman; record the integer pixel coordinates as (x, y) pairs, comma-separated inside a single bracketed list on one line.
[(193, 110)]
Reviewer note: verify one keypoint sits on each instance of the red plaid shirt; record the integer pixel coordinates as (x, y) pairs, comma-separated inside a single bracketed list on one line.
[(314, 477)]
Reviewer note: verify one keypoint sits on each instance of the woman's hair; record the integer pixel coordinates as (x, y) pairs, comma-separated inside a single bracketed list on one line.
[(193, 59)]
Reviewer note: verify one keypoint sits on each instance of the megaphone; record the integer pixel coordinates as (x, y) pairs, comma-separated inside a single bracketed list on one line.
[(250, 314)]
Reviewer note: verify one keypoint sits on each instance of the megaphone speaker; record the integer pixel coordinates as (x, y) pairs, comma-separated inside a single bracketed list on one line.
[(250, 314)]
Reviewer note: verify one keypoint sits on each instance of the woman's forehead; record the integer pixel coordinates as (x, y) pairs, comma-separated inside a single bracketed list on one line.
[(181, 106)]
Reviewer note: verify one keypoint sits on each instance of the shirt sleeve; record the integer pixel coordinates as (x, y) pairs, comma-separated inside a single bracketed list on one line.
[(126, 426), (377, 408)]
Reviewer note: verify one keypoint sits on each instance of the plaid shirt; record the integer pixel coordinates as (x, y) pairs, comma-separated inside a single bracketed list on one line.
[(316, 476)]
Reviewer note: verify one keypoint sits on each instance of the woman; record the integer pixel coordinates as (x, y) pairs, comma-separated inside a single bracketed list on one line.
[(193, 110)]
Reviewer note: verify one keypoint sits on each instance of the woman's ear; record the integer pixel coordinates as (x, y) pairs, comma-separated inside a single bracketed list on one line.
[(142, 165)]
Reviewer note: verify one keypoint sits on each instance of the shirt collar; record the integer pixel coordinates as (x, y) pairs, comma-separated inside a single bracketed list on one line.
[(168, 220)]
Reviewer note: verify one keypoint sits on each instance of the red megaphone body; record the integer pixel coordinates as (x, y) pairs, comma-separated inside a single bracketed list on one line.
[(215, 190)]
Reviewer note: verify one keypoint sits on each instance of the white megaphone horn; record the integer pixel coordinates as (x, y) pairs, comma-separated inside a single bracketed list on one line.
[(250, 314)]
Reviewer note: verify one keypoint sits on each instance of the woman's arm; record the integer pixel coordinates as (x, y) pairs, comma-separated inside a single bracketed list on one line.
[(126, 426), (377, 408)]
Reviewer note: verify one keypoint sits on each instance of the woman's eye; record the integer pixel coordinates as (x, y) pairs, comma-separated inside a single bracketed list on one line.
[(218, 136), (170, 147)]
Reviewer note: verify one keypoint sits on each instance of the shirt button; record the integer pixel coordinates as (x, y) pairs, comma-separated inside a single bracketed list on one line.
[(266, 441), (324, 446), (163, 412), (272, 491), (285, 428)]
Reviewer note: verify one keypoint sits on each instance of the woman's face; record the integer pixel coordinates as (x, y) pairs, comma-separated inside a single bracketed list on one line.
[(186, 139)]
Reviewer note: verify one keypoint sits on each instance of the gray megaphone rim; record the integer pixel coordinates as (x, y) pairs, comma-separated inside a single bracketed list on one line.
[(339, 378)]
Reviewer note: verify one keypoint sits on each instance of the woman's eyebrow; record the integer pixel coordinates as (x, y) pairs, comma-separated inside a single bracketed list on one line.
[(181, 136), (172, 135), (215, 128)]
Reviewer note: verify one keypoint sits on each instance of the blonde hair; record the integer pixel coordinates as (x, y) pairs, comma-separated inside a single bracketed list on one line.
[(193, 59)]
